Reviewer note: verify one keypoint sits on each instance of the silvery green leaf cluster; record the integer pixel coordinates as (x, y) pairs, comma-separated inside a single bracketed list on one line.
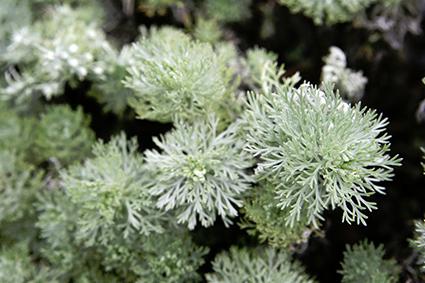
[(13, 15), (328, 12), (258, 60), (102, 212), (333, 11), (111, 192), (261, 265), (351, 84), (174, 77), (63, 135), (19, 184), (319, 152), (226, 11), (265, 219), (108, 88), (200, 172), (16, 132), (418, 242), (207, 30), (16, 266), (151, 7), (65, 45), (365, 262), (170, 256), (20, 179)]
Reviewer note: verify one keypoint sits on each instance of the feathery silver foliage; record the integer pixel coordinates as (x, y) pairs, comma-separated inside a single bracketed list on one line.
[(200, 172)]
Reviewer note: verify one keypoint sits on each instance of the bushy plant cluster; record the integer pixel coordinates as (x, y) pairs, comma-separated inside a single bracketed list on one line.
[(364, 262), (16, 266), (328, 12), (418, 242), (334, 11), (226, 11), (249, 146), (102, 220), (63, 135), (317, 152), (202, 176), (350, 84), (191, 81), (258, 62), (49, 56), (256, 265)]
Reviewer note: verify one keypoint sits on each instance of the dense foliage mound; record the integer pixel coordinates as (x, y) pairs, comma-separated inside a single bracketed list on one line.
[(165, 141)]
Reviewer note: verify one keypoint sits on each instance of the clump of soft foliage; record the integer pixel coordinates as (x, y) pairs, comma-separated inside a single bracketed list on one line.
[(101, 224), (264, 218), (207, 31), (108, 88), (227, 11), (174, 77), (328, 12), (200, 172), (418, 243), (364, 262), (19, 184), (63, 135), (351, 84), (16, 266), (67, 45), (318, 151), (16, 132), (258, 60), (111, 193), (261, 265)]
